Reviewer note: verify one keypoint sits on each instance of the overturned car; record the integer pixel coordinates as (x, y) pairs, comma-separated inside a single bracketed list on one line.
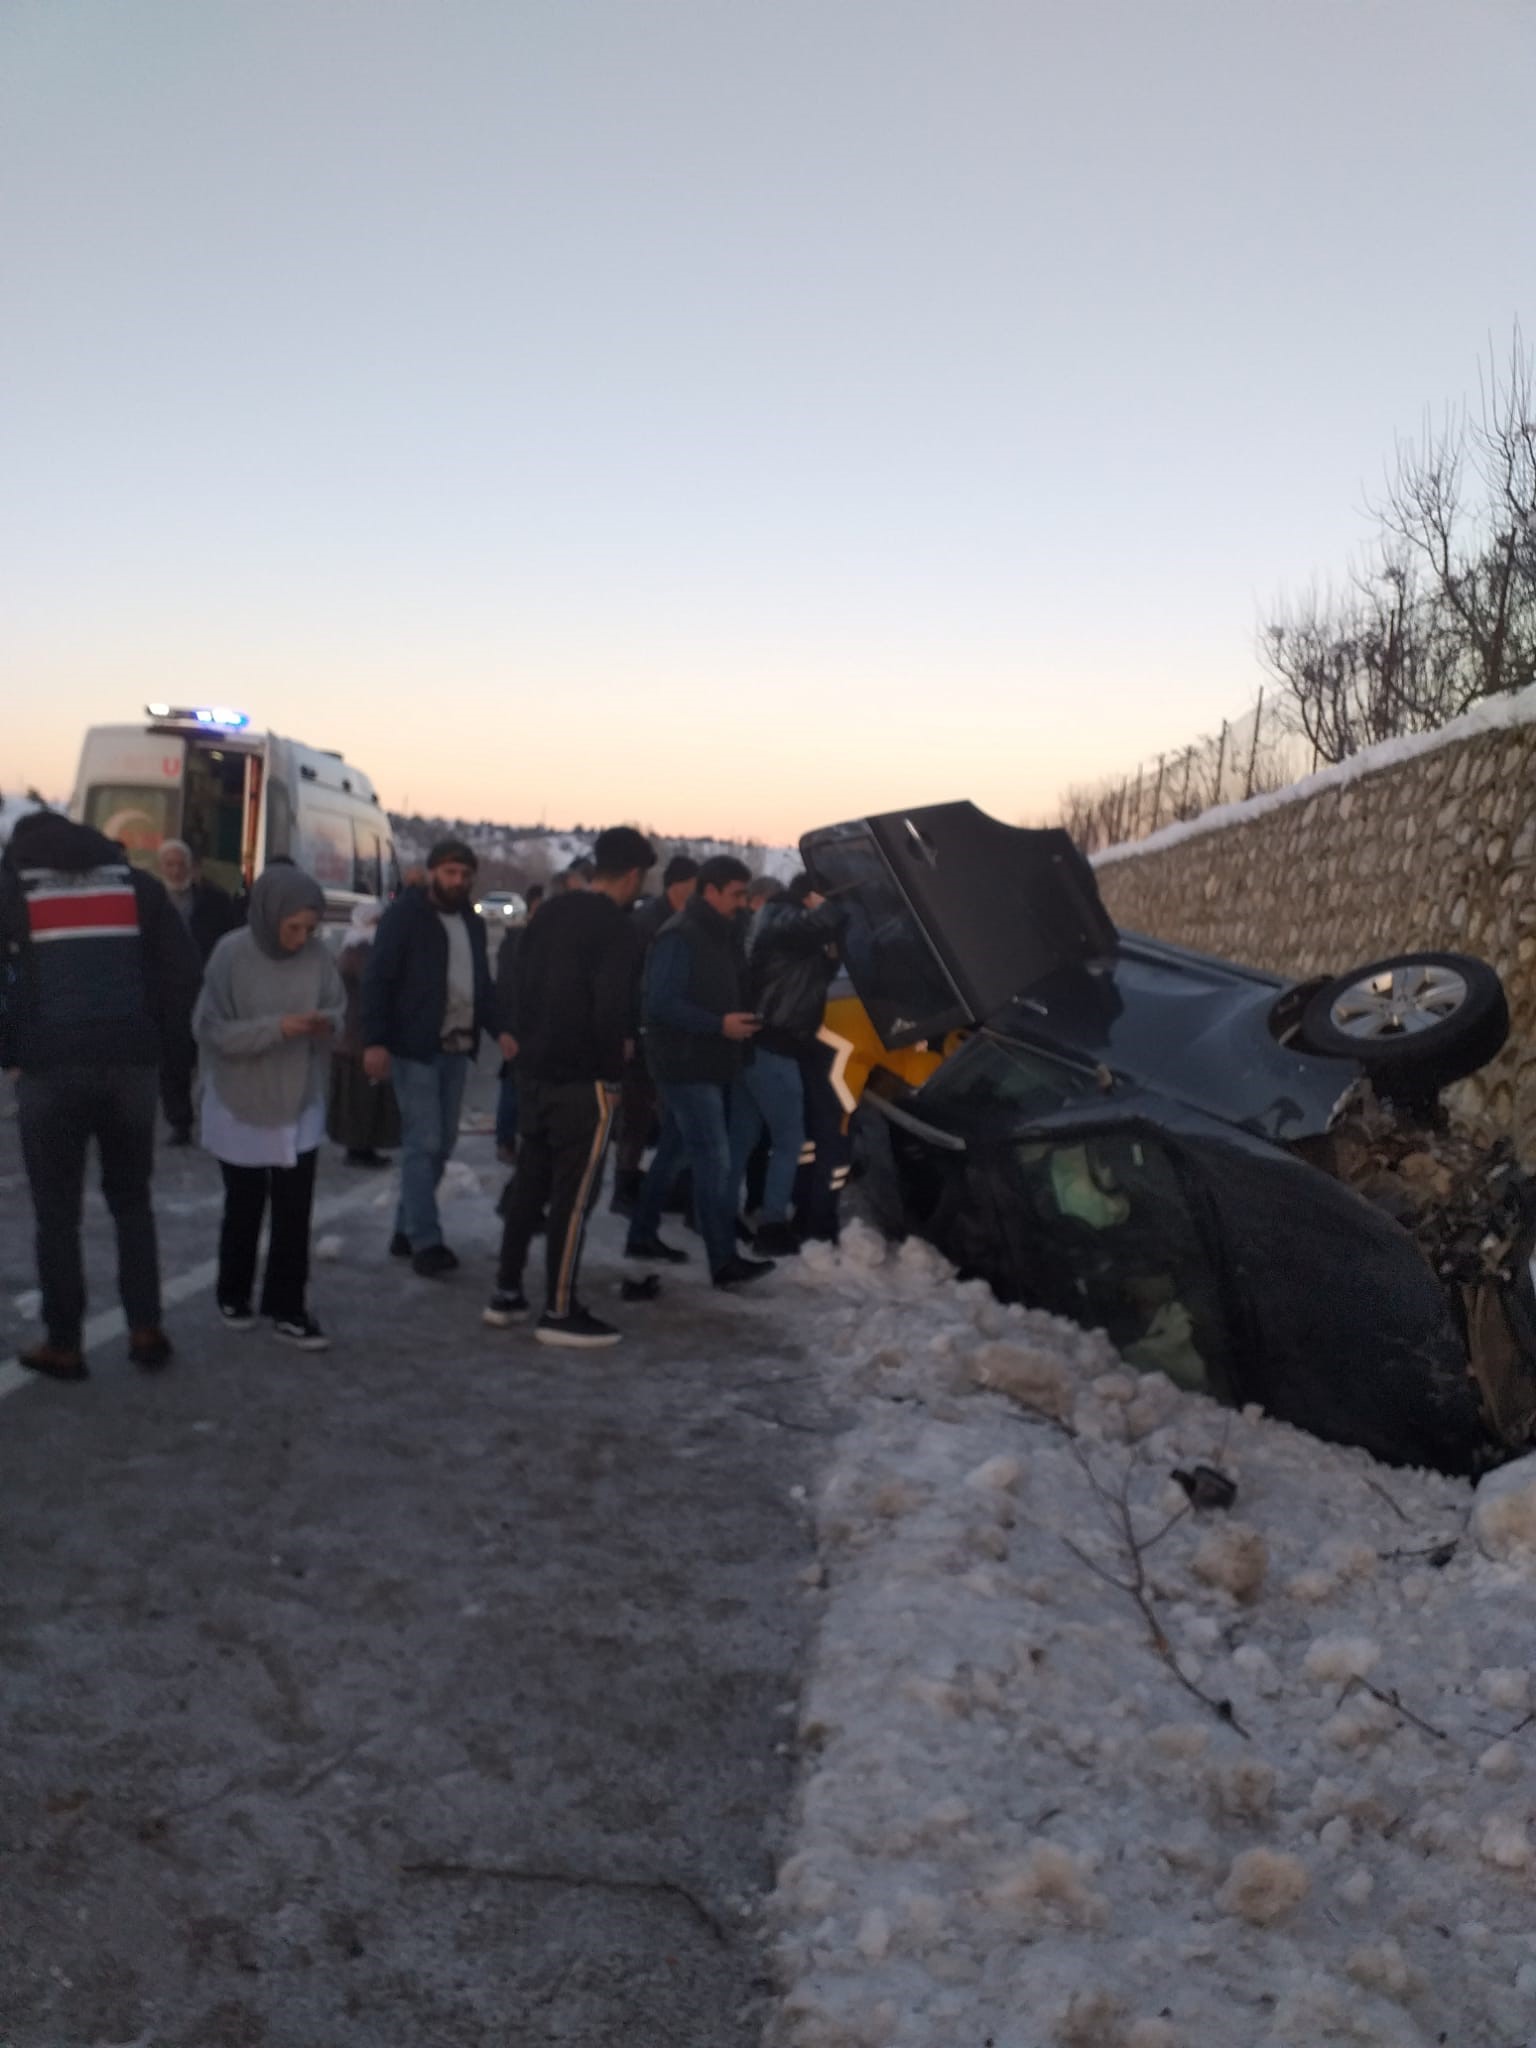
[(1248, 1183)]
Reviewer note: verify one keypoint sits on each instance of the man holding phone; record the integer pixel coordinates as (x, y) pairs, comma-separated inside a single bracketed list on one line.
[(695, 1025)]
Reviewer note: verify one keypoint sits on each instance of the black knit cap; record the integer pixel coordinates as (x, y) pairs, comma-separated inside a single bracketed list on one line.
[(452, 849)]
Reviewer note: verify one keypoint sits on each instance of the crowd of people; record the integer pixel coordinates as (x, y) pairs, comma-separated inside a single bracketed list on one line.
[(681, 1026)]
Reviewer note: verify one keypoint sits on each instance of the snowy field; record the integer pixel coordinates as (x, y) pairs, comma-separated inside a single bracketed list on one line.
[(1088, 1766)]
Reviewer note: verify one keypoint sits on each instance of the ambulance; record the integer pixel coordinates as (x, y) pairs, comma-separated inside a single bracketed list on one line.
[(239, 799)]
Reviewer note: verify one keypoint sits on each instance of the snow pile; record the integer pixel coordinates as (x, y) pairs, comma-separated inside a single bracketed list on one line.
[(1088, 1766)]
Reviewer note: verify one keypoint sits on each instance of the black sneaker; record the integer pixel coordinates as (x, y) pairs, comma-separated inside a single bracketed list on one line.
[(579, 1331), (149, 1348), (737, 1271), (775, 1241), (505, 1307), (236, 1315), (434, 1260), (303, 1332), (399, 1246), (651, 1247)]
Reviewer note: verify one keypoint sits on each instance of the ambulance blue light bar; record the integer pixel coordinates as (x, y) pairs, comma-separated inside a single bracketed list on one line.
[(217, 717)]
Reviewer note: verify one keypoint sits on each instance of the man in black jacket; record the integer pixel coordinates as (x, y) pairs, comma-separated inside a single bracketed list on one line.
[(208, 912), (571, 1015), (695, 1027), (426, 999), (791, 959), (100, 978), (637, 1098)]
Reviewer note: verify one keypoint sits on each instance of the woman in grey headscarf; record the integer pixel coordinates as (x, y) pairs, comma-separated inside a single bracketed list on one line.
[(364, 1115), (272, 1003)]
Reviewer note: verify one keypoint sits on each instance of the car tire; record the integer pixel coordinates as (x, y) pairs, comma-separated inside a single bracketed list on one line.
[(1414, 1021)]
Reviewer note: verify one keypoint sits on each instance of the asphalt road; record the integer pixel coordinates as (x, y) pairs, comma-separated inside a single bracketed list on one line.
[(432, 1691)]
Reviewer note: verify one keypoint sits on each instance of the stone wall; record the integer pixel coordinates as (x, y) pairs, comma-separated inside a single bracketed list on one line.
[(1432, 852)]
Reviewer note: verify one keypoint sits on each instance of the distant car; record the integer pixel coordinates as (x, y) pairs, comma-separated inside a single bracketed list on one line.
[(501, 906), (1140, 1137)]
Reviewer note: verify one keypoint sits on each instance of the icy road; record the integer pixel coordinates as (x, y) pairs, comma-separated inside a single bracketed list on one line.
[(435, 1691), (840, 1667)]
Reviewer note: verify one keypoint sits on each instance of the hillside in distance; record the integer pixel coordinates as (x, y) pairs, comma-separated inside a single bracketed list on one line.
[(515, 856)]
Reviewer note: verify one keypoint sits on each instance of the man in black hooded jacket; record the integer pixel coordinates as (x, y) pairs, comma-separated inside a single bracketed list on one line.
[(100, 975), (791, 959)]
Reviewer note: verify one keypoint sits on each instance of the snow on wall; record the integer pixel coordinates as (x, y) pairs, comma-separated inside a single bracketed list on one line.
[(1494, 714), (1424, 844), (1083, 1776)]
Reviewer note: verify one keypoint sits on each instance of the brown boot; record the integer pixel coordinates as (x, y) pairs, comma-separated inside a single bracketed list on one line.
[(149, 1349), (55, 1362)]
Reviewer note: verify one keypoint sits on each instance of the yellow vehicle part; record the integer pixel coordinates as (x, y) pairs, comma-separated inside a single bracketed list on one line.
[(858, 1049)]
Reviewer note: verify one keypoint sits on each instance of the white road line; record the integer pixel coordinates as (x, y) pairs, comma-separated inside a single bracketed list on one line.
[(110, 1322)]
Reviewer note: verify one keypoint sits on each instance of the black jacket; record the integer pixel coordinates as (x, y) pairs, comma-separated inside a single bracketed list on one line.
[(96, 967), (789, 968), (214, 913), (405, 985), (569, 999), (693, 981)]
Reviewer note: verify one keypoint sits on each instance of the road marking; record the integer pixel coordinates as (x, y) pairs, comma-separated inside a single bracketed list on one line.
[(110, 1323)]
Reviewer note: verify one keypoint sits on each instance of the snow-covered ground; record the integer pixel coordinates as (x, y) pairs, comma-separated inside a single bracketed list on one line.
[(1089, 1767)]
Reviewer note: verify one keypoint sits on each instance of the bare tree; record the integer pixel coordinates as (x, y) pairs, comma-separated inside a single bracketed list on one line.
[(1479, 557), (1364, 665), (1444, 610)]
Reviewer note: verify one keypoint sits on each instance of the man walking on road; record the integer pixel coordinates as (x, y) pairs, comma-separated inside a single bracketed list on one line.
[(426, 999), (695, 1028), (572, 1014), (100, 975)]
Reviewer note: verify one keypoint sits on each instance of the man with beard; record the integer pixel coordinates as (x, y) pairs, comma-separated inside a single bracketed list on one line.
[(695, 1028), (426, 998)]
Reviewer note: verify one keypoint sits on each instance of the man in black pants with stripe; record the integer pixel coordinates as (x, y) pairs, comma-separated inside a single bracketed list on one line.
[(571, 1012)]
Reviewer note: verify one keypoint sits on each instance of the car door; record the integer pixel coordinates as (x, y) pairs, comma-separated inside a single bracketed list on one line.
[(950, 913)]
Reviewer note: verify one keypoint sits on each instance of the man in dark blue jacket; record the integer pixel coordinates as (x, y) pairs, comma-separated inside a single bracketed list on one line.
[(427, 996), (100, 977), (695, 1027)]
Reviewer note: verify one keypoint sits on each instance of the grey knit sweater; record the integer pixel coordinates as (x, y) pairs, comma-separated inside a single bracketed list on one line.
[(260, 1076)]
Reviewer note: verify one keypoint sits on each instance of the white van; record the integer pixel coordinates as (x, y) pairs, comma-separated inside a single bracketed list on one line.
[(238, 798)]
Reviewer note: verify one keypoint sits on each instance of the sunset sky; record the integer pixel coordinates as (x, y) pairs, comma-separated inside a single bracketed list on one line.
[(729, 416)]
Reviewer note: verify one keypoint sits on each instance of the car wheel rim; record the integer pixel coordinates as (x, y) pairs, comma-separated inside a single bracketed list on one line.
[(1400, 1002)]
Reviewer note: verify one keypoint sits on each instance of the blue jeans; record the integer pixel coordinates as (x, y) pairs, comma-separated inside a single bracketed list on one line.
[(692, 1128), (768, 1092), (429, 1093)]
